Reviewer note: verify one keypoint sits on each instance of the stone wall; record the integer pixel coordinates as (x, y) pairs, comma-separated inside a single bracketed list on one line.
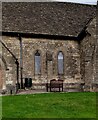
[(80, 60), (88, 55), (49, 69), (10, 76)]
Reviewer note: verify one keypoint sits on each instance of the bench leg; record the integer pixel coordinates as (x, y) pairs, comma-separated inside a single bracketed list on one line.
[(47, 87), (50, 88), (62, 88), (59, 88)]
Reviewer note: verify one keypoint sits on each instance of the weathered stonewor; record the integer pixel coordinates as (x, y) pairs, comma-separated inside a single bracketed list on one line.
[(88, 57), (49, 69), (46, 29)]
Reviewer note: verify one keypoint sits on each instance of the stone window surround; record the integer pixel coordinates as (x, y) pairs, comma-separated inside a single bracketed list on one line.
[(46, 60)]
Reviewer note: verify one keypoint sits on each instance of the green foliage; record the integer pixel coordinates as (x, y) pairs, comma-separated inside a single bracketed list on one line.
[(50, 105)]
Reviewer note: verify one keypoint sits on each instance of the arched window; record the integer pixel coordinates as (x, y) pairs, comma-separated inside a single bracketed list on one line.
[(37, 62), (60, 63)]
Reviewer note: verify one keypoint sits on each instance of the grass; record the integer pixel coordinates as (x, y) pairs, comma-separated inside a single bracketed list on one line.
[(50, 105)]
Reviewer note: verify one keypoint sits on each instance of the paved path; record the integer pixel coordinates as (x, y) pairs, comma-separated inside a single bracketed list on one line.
[(29, 91)]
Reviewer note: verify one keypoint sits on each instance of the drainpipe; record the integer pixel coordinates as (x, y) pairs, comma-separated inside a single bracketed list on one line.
[(17, 72), (17, 64), (21, 63)]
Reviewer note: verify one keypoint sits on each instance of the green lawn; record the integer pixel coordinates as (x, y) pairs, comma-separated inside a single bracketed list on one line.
[(50, 105)]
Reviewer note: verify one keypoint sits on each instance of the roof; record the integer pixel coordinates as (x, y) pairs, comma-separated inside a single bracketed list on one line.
[(50, 18)]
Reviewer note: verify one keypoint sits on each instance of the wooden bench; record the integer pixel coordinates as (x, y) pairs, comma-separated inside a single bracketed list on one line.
[(54, 84)]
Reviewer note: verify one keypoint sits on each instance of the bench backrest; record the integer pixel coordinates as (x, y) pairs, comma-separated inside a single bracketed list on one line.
[(53, 81), (59, 80), (56, 83)]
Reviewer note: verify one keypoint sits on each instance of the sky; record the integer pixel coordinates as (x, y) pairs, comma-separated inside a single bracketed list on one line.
[(94, 2)]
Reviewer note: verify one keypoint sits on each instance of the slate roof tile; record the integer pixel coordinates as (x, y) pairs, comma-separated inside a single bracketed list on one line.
[(52, 18)]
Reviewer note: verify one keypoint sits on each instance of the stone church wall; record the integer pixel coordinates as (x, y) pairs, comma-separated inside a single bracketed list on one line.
[(88, 56), (49, 69), (10, 76), (80, 60)]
